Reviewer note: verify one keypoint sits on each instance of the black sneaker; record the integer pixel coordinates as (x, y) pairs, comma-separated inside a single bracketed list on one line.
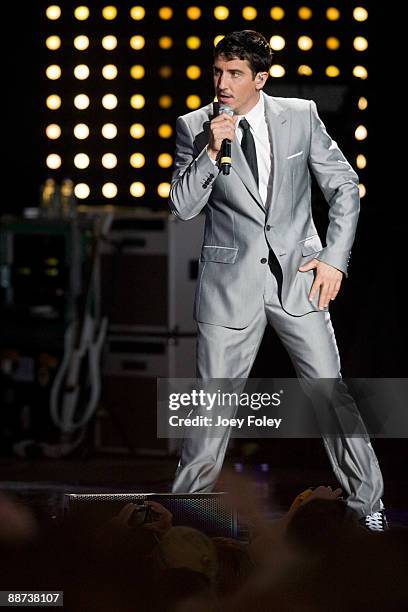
[(377, 521)]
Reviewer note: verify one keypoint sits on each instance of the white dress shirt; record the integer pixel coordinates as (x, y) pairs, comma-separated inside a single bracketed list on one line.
[(259, 130)]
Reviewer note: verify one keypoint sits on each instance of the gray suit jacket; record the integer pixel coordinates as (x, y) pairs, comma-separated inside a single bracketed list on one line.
[(239, 230)]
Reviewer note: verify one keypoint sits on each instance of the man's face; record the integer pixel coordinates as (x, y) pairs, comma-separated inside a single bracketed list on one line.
[(234, 84)]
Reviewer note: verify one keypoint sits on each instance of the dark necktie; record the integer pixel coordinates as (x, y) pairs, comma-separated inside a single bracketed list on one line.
[(248, 147)]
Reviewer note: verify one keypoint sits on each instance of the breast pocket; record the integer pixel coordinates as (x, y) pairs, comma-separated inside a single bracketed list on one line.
[(311, 245), (219, 254)]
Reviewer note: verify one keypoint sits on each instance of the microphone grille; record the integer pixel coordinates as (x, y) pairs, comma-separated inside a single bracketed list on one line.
[(225, 108)]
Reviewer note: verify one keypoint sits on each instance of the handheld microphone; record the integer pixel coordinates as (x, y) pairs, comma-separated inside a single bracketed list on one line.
[(225, 157)]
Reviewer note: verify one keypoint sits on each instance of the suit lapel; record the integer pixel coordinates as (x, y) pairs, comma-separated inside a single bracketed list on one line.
[(278, 122)]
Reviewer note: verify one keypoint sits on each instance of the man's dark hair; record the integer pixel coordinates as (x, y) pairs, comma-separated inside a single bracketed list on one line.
[(246, 45)]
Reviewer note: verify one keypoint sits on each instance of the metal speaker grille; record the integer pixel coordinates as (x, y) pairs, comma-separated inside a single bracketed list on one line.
[(204, 511)]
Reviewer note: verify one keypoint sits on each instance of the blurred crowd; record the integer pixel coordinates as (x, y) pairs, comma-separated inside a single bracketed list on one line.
[(316, 557)]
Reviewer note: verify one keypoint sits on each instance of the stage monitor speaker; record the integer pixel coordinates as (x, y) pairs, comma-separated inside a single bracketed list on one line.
[(204, 511)]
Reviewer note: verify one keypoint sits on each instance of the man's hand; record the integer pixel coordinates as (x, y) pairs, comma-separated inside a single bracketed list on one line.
[(328, 280), (221, 127)]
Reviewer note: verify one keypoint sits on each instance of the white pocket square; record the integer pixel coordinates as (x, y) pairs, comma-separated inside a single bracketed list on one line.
[(295, 155)]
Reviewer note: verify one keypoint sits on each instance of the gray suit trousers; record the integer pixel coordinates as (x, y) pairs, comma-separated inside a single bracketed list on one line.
[(224, 352)]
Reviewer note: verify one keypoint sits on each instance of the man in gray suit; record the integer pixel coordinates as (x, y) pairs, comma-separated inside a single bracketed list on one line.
[(262, 260)]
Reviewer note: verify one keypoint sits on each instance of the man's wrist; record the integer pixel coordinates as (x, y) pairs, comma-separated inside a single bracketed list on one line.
[(212, 155)]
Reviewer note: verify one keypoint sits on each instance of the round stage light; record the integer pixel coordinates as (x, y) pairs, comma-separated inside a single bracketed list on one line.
[(332, 13), (137, 160), (109, 12), (362, 190), (109, 161), (109, 72), (362, 103), (165, 130), (360, 13), (360, 72), (165, 160), (249, 13), (81, 131), (193, 42), (218, 38), (53, 42), (277, 13), (137, 101), (332, 43), (109, 42), (305, 70), (277, 43), (81, 161), (137, 13), (305, 43), (81, 72), (165, 42), (109, 131), (277, 71), (82, 191), (137, 130), (53, 131), (361, 132), (165, 12), (81, 13), (360, 43), (361, 161), (165, 101), (193, 13), (137, 189), (193, 72), (193, 101), (137, 42), (109, 190), (305, 12), (137, 72), (53, 102), (53, 72), (53, 12), (81, 42), (53, 161), (163, 190), (165, 72), (81, 101), (221, 13), (109, 101), (332, 71)]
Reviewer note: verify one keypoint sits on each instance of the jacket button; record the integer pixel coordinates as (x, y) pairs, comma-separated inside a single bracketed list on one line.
[(264, 260), (268, 227)]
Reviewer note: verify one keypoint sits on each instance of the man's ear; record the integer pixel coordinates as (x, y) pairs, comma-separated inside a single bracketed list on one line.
[(261, 79)]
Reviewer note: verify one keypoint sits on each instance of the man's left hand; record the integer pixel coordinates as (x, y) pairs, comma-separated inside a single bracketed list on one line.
[(328, 280)]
